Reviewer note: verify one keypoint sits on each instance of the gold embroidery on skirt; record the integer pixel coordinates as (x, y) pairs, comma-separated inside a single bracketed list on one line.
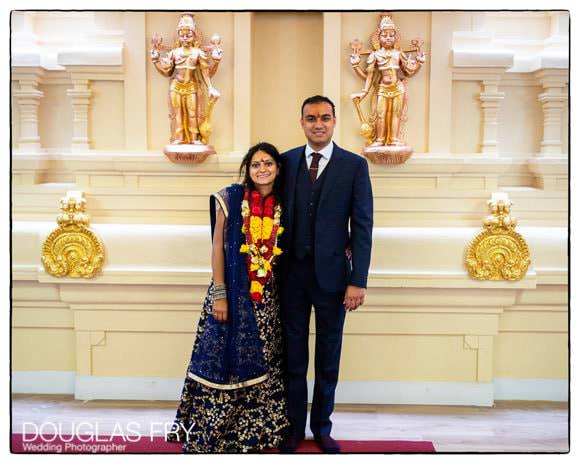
[(231, 386)]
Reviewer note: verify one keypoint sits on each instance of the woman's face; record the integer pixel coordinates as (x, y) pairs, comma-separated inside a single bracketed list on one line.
[(263, 169)]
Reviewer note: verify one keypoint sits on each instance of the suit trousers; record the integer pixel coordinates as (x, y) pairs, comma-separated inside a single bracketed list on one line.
[(300, 292)]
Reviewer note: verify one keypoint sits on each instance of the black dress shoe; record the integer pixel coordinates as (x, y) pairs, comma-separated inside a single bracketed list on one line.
[(327, 444), (290, 443)]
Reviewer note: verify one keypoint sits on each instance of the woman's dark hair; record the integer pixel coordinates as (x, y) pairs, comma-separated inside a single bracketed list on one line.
[(245, 167)]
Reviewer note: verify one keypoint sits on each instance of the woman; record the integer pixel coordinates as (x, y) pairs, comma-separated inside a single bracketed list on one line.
[(233, 399)]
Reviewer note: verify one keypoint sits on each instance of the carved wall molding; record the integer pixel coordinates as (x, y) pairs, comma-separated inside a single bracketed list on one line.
[(499, 252), (73, 250)]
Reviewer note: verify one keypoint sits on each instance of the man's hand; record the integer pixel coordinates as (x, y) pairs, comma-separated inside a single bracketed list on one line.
[(354, 297), (220, 310)]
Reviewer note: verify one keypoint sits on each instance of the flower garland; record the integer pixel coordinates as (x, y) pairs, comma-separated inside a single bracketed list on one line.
[(261, 229)]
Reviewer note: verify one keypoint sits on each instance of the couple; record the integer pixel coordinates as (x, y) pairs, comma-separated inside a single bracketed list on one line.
[(246, 388)]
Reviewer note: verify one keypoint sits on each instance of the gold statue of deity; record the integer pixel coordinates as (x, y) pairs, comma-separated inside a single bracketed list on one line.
[(191, 98), (387, 70)]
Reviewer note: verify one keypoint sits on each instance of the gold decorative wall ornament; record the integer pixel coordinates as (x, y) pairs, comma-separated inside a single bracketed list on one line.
[(498, 253), (192, 96), (386, 74), (73, 250)]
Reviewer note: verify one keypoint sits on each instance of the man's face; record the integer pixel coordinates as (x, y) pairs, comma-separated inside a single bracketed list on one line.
[(318, 124)]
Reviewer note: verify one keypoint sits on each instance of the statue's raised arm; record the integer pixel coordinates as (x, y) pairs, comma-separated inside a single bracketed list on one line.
[(163, 66), (409, 64)]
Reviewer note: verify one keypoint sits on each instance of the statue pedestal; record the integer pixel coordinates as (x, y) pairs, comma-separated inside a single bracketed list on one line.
[(388, 154), (188, 153)]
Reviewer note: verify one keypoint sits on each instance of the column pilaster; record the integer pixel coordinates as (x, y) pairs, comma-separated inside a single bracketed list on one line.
[(243, 23), (490, 99), (333, 56), (553, 99), (28, 98), (80, 96)]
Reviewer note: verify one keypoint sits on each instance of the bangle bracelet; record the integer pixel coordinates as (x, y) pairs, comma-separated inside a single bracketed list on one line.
[(218, 293)]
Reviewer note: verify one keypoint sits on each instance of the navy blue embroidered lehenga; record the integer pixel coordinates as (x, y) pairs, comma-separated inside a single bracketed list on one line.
[(233, 398)]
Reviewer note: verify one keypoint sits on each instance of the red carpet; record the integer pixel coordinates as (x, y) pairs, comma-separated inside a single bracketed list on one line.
[(384, 446), (134, 444)]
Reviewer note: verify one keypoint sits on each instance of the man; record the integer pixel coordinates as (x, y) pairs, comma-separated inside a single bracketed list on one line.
[(326, 265)]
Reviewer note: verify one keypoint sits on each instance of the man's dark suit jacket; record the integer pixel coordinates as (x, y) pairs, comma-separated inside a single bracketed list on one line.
[(346, 195)]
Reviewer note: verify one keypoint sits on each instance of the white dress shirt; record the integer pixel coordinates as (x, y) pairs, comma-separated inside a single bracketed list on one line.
[(326, 153)]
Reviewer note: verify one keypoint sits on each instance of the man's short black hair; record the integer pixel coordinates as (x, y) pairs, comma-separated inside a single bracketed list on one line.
[(317, 99)]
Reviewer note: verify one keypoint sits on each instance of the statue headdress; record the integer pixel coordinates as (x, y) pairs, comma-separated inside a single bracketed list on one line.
[(186, 21), (386, 23)]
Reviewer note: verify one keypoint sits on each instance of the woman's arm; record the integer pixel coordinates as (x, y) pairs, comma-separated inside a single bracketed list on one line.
[(217, 250), (220, 307)]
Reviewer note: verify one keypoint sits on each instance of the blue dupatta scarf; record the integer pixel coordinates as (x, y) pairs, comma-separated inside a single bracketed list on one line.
[(229, 355)]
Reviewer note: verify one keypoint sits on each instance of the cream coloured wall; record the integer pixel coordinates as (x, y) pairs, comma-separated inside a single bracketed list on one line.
[(14, 122), (107, 129), (465, 117), (426, 326), (55, 116), (287, 59), (565, 125), (519, 118), (43, 335), (62, 25), (529, 24), (530, 352), (43, 348)]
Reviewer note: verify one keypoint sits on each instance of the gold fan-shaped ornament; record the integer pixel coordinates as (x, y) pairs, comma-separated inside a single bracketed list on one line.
[(498, 252), (73, 250)]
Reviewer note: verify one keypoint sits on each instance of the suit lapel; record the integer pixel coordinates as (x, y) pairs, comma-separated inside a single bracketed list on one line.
[(293, 166), (331, 171)]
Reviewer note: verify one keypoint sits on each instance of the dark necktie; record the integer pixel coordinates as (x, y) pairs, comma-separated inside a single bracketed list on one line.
[(313, 170)]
